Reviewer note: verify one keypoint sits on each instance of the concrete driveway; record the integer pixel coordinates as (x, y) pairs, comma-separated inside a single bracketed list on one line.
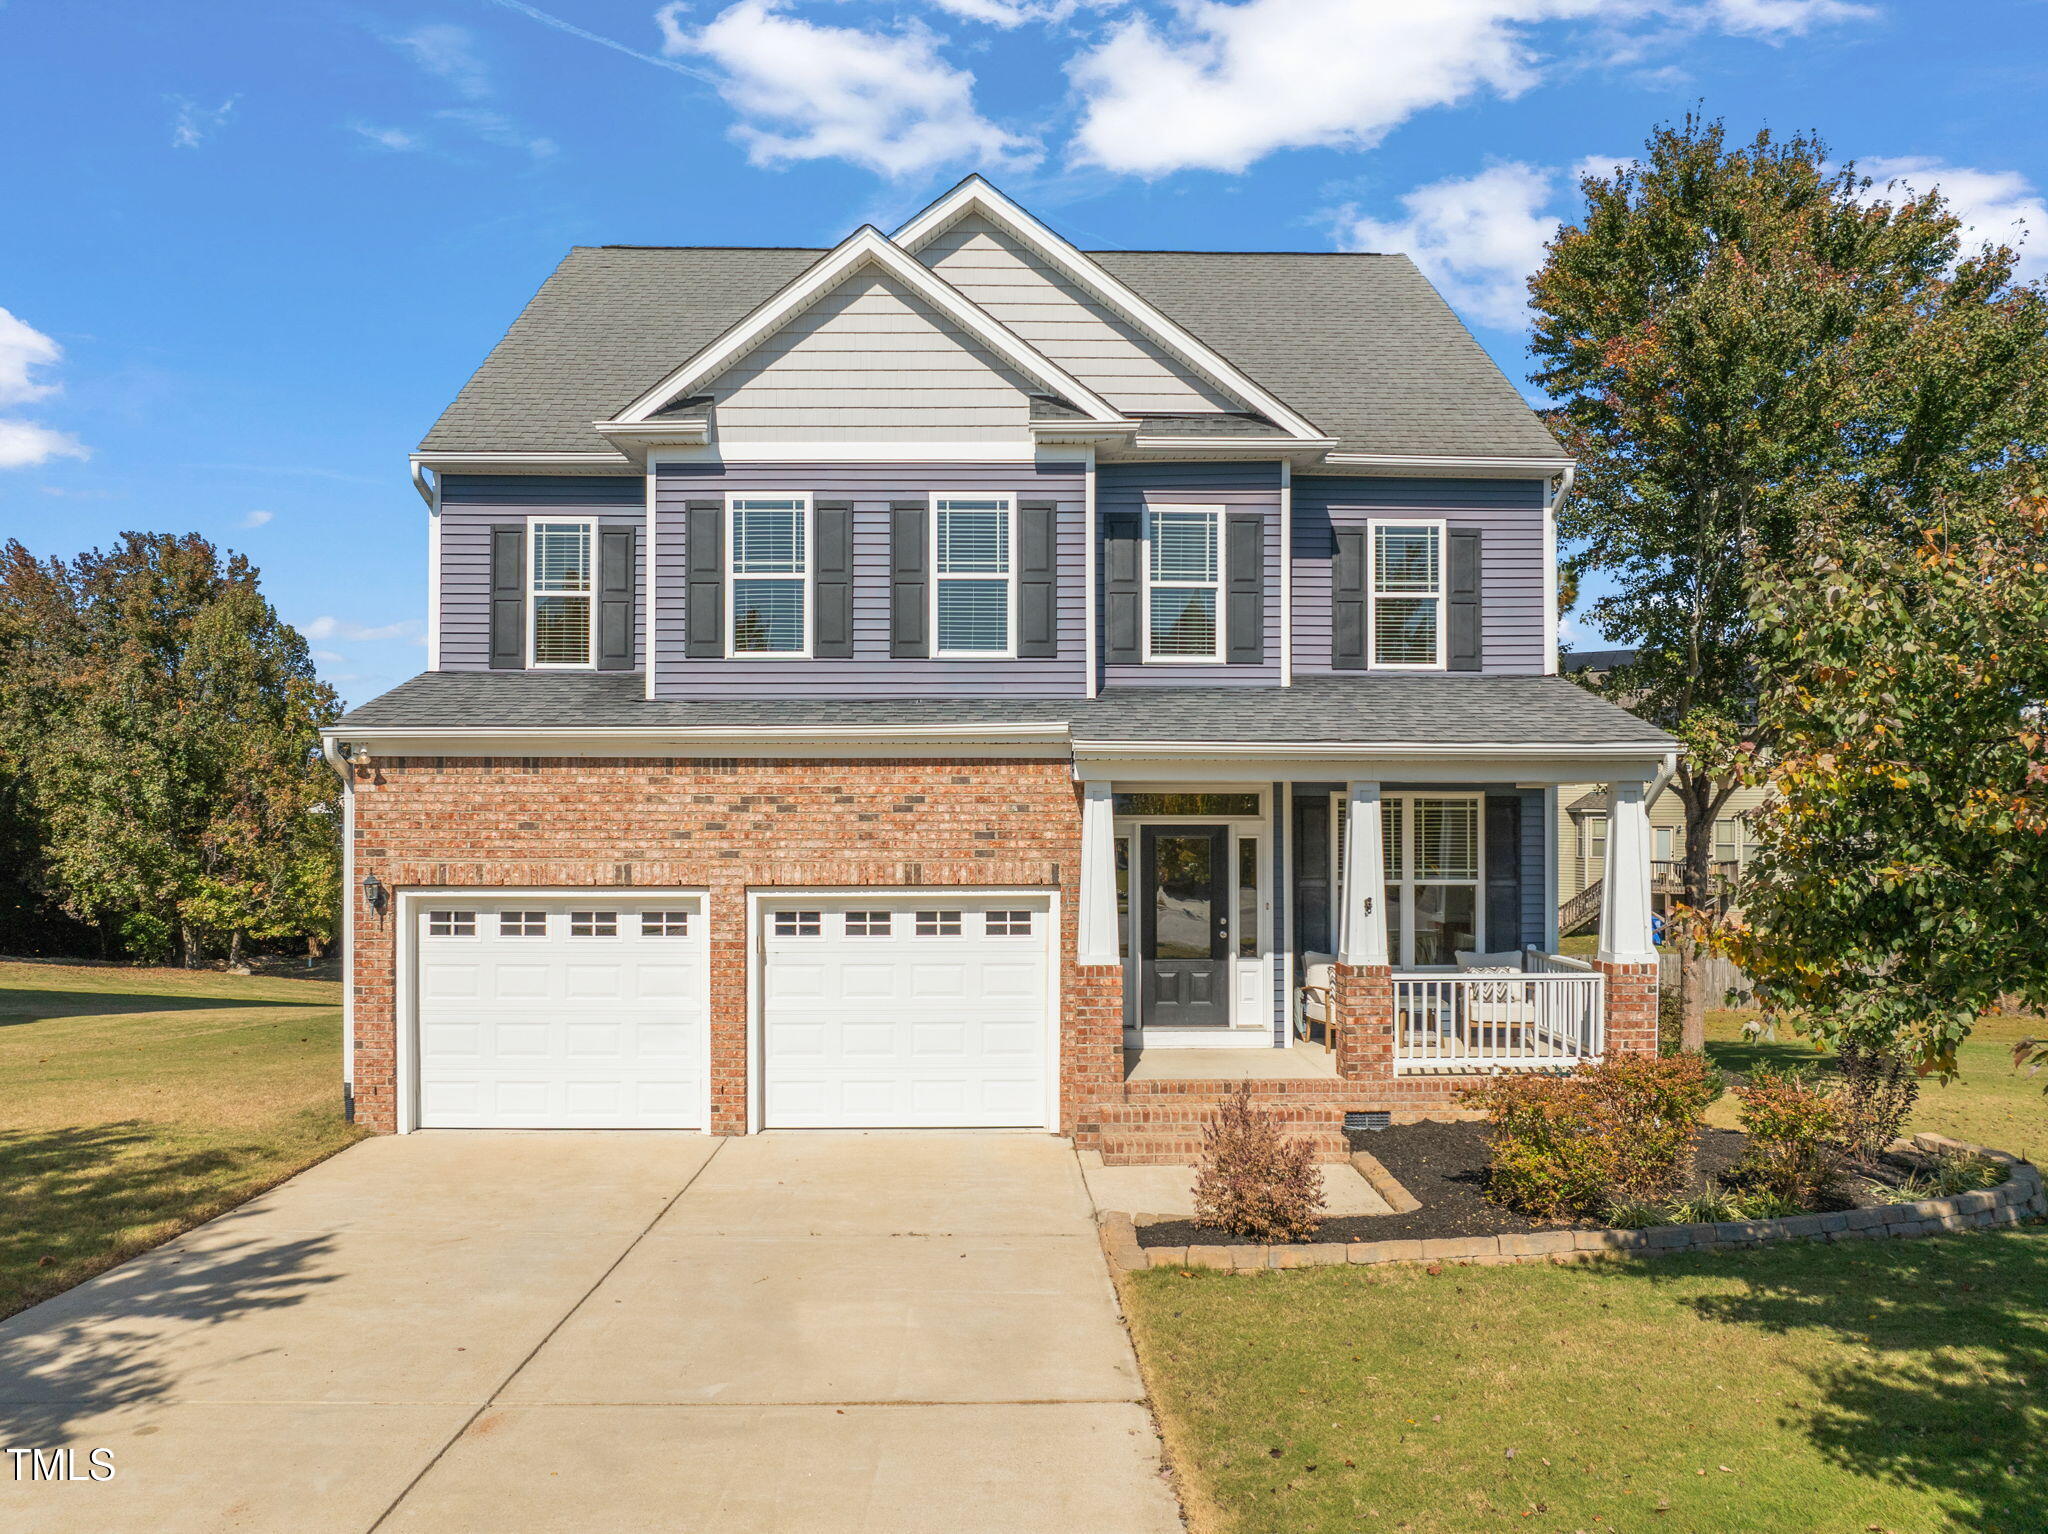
[(604, 1333)]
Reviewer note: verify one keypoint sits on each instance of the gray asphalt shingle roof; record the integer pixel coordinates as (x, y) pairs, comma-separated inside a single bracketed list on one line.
[(1360, 344), (1420, 710)]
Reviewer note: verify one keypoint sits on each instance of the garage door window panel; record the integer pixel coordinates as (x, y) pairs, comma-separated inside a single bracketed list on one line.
[(451, 924), (593, 924), (522, 924), (664, 923)]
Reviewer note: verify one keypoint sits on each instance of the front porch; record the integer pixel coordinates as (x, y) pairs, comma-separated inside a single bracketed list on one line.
[(1363, 946)]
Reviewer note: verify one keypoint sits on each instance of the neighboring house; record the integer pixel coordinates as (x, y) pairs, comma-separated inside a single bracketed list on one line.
[(906, 683), (1582, 835)]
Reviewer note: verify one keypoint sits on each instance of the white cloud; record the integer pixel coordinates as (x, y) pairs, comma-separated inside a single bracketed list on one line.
[(394, 139), (2001, 206), (23, 348), (328, 627), (1215, 86), (257, 518), (448, 52), (23, 351), (883, 100), (1757, 18), (23, 444), (1013, 13), (497, 128), (1478, 238), (329, 657), (193, 124)]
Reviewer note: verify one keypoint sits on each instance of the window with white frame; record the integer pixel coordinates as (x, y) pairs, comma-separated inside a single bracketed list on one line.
[(1407, 595), (558, 592), (770, 575), (973, 575), (1183, 583), (1431, 874)]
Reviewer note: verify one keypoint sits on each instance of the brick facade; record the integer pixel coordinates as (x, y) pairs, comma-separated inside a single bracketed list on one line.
[(1631, 1008), (725, 826)]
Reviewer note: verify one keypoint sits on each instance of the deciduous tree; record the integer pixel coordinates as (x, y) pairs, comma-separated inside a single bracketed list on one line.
[(1725, 328)]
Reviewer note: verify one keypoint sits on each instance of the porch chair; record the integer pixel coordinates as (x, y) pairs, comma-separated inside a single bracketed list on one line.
[(1318, 997), (1496, 1012)]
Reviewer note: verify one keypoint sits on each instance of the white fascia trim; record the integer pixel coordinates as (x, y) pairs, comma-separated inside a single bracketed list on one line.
[(976, 194), (866, 244), (870, 450), (1655, 754), (1457, 467), (444, 463), (1248, 447), (644, 740)]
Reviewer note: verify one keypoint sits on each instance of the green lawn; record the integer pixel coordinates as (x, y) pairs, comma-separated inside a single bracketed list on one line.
[(135, 1103), (1899, 1387), (1891, 1386)]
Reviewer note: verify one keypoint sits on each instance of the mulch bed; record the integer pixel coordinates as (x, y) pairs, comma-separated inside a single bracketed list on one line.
[(1443, 1165)]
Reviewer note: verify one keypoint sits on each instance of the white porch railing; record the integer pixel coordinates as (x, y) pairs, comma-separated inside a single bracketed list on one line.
[(1530, 1021)]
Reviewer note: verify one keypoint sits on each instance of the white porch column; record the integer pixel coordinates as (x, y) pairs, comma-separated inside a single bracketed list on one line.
[(1625, 896), (1097, 939), (1362, 925)]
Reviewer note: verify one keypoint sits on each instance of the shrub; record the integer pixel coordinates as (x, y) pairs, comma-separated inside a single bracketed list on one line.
[(1711, 1205), (1798, 1137), (1950, 1173), (1619, 1132), (1879, 1087), (1254, 1181), (1637, 1215)]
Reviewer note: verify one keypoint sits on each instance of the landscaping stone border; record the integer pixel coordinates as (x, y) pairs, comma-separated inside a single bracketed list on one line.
[(2019, 1197)]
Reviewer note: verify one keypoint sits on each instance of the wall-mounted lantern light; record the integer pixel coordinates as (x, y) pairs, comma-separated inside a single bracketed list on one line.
[(374, 893)]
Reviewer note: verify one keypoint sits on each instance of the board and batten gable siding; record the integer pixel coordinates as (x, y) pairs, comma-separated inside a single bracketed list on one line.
[(471, 504), (1045, 307), (871, 673), (1508, 514), (868, 362), (1236, 486)]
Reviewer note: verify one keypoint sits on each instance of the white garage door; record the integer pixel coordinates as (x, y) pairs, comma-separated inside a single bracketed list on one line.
[(883, 1012), (548, 1013)]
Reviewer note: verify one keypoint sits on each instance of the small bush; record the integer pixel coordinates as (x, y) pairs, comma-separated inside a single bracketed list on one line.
[(1637, 1215), (1254, 1181), (1798, 1137), (1711, 1205), (1761, 1204), (1951, 1172), (1619, 1132)]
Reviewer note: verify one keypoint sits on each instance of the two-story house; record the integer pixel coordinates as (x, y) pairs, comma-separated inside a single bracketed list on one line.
[(957, 679)]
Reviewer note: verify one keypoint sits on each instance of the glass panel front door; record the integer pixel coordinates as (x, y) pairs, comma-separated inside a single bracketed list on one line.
[(1184, 909)]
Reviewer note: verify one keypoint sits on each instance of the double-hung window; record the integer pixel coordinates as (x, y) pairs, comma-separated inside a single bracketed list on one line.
[(558, 592), (973, 575), (1183, 581), (771, 575), (1407, 595), (1431, 874)]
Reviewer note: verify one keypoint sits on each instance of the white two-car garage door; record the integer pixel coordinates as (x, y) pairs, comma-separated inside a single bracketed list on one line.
[(882, 1012), (585, 1012)]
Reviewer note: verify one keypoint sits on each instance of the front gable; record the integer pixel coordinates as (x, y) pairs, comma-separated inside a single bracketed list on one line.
[(870, 359), (1044, 305)]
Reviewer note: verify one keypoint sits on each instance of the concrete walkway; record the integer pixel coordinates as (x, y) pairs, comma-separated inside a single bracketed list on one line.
[(604, 1333)]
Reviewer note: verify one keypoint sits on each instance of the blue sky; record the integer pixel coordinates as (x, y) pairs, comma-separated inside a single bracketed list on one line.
[(248, 250)]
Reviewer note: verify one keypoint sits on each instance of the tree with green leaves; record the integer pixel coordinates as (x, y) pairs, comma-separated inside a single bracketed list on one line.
[(160, 724), (1902, 878), (1735, 334)]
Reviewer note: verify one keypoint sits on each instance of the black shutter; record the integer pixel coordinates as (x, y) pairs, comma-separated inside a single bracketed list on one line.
[(615, 598), (832, 580), (1123, 589), (909, 578), (1503, 871), (508, 596), (704, 557), (1245, 566), (1347, 601), (1037, 579), (1461, 614)]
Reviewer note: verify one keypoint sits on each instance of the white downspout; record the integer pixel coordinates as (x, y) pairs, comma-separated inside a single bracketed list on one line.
[(1550, 510), (331, 749)]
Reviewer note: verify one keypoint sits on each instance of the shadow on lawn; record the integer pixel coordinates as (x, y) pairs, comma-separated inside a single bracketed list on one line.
[(66, 1194), (27, 1006), (1746, 1055), (1946, 1385)]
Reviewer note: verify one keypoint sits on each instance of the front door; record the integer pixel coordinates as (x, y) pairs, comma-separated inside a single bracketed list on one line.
[(1184, 926)]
